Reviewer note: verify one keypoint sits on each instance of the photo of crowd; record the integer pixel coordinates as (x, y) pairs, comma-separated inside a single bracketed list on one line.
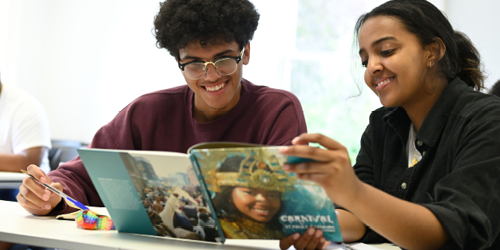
[(171, 195)]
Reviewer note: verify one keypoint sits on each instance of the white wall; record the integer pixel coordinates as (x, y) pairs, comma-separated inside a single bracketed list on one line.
[(480, 20), (84, 60)]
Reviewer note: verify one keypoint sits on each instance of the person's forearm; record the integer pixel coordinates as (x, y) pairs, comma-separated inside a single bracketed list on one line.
[(13, 163), (409, 225), (16, 162), (351, 227)]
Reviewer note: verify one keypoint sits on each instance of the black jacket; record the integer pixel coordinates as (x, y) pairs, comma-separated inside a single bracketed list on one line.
[(458, 178)]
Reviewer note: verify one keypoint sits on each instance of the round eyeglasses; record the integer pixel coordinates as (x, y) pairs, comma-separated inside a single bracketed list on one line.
[(223, 65)]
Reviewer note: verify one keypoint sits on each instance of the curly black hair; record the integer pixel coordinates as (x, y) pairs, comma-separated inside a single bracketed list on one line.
[(181, 22)]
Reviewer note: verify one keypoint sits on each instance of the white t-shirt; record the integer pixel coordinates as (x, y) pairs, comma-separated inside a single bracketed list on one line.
[(23, 123), (410, 147)]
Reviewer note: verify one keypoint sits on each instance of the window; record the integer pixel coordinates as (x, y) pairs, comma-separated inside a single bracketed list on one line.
[(321, 70)]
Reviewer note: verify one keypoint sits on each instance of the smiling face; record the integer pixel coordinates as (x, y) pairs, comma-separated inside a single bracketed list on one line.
[(397, 65), (257, 204), (214, 94)]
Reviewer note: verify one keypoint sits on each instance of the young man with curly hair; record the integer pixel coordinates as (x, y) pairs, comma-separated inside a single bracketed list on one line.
[(210, 40)]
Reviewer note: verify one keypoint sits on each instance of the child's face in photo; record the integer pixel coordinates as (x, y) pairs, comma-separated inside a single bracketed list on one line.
[(395, 61), (257, 204)]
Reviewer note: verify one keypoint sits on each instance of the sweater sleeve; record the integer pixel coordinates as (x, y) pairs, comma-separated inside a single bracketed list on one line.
[(73, 176)]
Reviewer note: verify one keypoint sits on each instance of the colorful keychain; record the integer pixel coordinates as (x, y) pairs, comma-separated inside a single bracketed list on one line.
[(92, 221)]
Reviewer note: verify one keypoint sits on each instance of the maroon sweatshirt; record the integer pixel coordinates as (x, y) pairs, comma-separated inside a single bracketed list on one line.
[(163, 121)]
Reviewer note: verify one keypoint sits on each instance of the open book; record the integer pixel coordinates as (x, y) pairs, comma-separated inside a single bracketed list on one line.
[(216, 191)]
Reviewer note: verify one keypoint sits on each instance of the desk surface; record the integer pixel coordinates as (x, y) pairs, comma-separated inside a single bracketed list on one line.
[(19, 226), (11, 180)]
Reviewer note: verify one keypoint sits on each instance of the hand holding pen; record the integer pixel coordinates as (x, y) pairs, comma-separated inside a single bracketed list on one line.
[(35, 198), (70, 201)]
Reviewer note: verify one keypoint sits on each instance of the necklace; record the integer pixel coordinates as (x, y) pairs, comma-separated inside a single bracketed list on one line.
[(415, 160), (252, 229)]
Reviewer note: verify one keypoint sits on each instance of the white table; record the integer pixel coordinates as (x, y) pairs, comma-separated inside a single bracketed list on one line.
[(11, 180), (19, 226)]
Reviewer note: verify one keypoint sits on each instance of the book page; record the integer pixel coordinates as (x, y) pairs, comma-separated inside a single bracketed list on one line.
[(170, 192), (254, 198)]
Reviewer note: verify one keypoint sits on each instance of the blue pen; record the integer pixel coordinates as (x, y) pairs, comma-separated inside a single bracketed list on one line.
[(70, 201)]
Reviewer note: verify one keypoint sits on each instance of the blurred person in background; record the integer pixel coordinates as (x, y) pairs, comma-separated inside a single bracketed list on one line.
[(24, 138), (495, 90), (24, 134)]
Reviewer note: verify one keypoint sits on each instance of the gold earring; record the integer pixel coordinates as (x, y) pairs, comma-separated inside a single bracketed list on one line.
[(430, 65)]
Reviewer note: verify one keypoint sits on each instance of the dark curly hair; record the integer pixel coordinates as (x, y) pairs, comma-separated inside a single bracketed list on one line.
[(427, 22), (181, 22)]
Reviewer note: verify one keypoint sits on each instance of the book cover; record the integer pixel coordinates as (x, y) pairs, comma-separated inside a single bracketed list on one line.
[(153, 193), (254, 198)]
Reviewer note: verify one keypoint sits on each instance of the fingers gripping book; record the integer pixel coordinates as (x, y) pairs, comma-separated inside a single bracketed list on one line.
[(216, 191)]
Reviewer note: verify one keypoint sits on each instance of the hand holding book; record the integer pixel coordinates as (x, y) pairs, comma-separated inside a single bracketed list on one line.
[(311, 239), (331, 167)]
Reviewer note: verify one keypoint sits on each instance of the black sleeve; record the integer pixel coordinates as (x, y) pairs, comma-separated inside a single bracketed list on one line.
[(364, 169), (467, 201)]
